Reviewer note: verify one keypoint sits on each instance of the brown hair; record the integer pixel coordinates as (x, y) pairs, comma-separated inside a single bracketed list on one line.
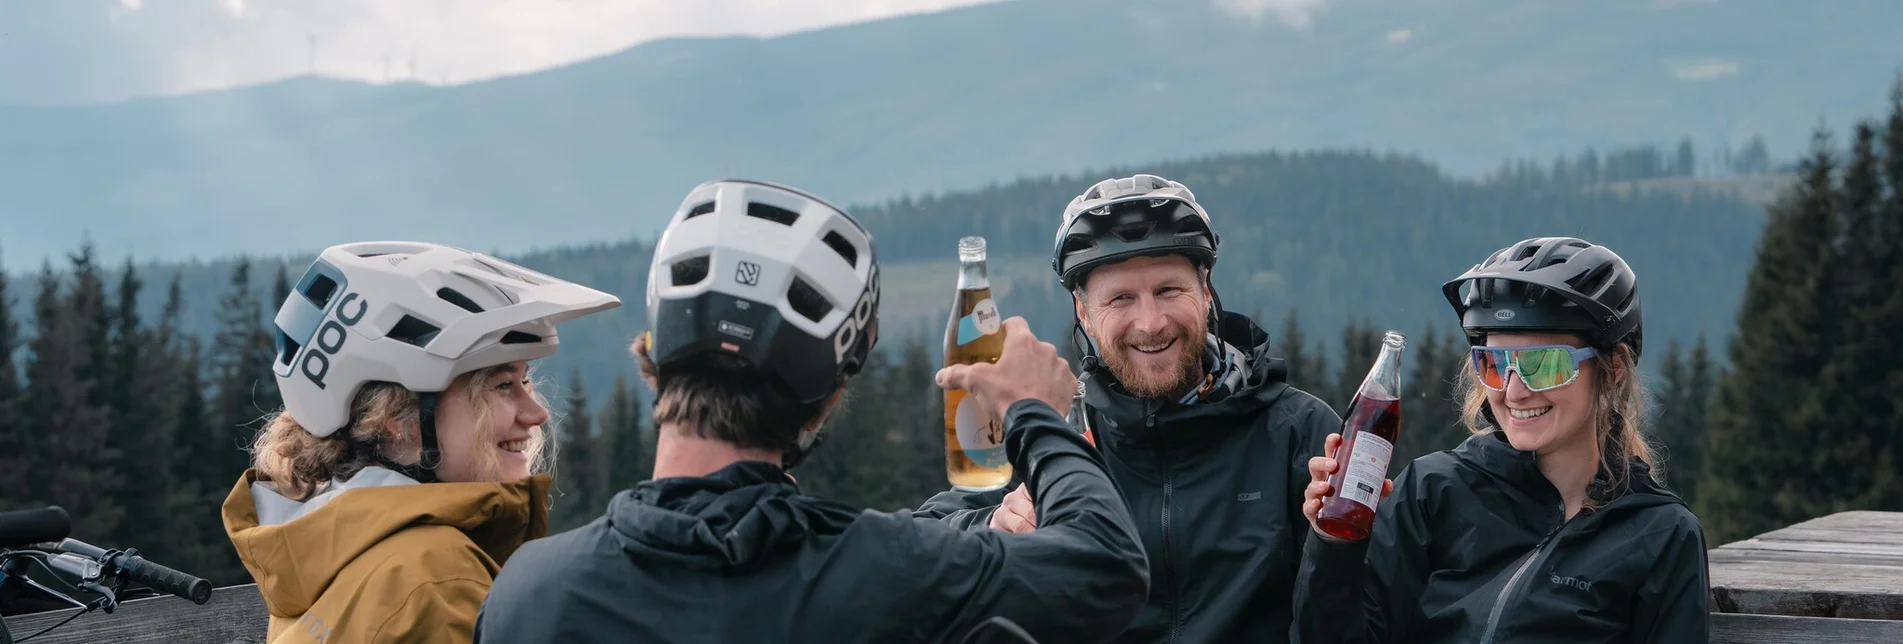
[(299, 462), (714, 396), (1618, 409)]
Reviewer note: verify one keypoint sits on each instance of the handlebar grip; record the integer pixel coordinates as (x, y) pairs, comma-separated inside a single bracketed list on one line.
[(166, 579), (21, 527)]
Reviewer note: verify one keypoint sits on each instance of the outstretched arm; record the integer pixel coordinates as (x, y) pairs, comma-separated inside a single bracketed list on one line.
[(1080, 577)]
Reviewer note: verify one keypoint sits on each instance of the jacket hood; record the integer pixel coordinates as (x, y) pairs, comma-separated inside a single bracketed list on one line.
[(1240, 387), (731, 520), (1491, 453), (295, 549)]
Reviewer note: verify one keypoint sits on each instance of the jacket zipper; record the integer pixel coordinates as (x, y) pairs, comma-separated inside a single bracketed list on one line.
[(1169, 572), (1500, 602)]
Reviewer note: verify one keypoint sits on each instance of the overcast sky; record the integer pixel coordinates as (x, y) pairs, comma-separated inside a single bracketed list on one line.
[(78, 51)]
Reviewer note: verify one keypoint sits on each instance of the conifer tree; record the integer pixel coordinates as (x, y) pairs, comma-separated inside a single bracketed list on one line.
[(1302, 374), (1360, 345), (242, 372), (14, 452), (578, 468), (1431, 407), (73, 462), (630, 461), (1758, 476)]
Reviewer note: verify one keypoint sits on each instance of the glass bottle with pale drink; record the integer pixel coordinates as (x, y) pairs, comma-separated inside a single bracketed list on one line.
[(974, 436)]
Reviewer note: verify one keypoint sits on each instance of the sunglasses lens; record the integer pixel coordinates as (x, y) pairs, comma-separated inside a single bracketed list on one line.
[(1490, 365), (1541, 369), (1545, 368)]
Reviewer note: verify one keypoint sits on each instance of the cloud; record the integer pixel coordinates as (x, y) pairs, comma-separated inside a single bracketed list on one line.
[(86, 52), (1399, 36), (1294, 13), (1705, 69)]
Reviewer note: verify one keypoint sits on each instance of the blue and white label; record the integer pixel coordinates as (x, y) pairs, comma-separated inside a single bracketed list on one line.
[(981, 438), (982, 321)]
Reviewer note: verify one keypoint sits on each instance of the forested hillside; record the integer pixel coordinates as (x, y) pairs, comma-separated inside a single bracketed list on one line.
[(127, 393)]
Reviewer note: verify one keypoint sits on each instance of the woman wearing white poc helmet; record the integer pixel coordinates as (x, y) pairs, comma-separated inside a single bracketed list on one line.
[(404, 468)]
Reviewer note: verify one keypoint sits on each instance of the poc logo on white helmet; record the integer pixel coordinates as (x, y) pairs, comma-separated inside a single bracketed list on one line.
[(331, 337), (856, 320)]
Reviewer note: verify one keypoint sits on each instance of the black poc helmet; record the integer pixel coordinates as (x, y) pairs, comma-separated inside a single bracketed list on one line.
[(779, 278), (1117, 219), (1562, 284)]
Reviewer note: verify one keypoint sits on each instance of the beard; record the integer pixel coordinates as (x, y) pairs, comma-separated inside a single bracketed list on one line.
[(1152, 380)]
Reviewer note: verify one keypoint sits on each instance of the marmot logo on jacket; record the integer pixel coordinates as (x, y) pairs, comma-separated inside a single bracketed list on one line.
[(1574, 582)]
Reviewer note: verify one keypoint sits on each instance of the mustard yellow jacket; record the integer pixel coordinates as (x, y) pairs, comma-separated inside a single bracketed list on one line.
[(380, 557)]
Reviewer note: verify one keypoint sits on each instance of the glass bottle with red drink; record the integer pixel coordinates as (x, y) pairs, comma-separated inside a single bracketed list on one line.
[(1368, 434)]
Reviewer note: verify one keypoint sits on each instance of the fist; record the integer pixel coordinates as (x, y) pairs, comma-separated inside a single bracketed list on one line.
[(1320, 468), (1016, 514), (1028, 368)]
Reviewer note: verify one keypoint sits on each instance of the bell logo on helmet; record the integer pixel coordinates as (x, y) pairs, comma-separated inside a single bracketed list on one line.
[(331, 338), (855, 324), (1503, 315)]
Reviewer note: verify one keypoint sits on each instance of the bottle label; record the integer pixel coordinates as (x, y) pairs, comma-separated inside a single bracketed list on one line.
[(1367, 468), (982, 321), (981, 438)]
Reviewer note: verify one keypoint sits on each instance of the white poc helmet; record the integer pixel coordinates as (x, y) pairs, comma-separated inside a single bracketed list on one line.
[(415, 314), (772, 275)]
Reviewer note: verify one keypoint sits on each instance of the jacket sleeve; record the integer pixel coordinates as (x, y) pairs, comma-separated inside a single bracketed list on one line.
[(1365, 592), (1309, 429), (965, 510), (1080, 577), (1673, 604)]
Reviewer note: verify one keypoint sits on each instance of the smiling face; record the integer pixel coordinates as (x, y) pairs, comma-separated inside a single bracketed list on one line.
[(1547, 421), (488, 425), (1148, 316)]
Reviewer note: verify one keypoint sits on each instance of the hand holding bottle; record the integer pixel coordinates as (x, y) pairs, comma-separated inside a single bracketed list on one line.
[(1320, 469), (1027, 368)]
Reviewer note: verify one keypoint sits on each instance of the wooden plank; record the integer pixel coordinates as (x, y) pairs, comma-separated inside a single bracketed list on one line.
[(234, 615), (1779, 629), (1892, 549), (1824, 535), (1844, 565)]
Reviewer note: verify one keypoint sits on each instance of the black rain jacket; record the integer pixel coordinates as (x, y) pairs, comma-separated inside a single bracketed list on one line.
[(742, 556), (1473, 546), (1216, 491)]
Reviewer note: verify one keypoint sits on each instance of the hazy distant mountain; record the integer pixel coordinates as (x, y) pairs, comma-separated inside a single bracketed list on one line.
[(604, 149)]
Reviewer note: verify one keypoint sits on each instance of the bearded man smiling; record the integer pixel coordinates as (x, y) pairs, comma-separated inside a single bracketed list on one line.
[(1204, 436)]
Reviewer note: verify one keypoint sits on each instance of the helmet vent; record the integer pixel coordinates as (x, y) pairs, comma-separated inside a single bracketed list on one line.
[(690, 271), (772, 213), (700, 210), (287, 348), (807, 301), (320, 290), (457, 298), (518, 337), (1133, 232), (412, 330), (843, 247)]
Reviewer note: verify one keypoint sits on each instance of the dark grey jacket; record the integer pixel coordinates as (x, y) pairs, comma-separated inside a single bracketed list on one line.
[(742, 556)]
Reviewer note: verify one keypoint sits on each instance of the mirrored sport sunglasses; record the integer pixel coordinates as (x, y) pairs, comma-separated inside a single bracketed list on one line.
[(1541, 368)]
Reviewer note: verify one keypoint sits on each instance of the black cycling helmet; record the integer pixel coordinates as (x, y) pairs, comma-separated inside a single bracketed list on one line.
[(1563, 284), (776, 277), (1117, 219)]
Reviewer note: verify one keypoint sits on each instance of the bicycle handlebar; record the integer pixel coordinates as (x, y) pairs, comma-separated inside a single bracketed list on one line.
[(141, 570), (22, 527)]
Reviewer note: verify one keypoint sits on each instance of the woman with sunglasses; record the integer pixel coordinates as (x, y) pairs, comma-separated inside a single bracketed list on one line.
[(1550, 523)]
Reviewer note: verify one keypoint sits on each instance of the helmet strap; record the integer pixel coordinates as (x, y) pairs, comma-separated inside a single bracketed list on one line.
[(430, 456), (801, 448)]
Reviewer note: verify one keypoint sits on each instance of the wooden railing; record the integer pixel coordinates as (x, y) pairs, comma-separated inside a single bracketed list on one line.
[(1835, 579)]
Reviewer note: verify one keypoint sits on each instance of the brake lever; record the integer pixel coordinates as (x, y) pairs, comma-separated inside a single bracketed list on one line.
[(40, 559)]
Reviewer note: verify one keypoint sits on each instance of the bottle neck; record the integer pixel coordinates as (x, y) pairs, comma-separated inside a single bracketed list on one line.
[(971, 273)]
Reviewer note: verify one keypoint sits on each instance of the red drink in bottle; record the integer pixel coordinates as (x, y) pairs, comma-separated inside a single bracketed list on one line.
[(1368, 435)]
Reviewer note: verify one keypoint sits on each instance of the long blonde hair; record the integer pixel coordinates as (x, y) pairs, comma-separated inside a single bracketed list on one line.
[(1618, 409), (298, 462)]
